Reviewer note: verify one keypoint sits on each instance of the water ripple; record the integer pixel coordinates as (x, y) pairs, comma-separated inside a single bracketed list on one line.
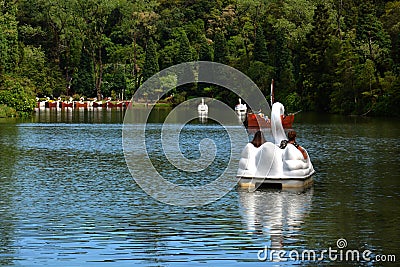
[(67, 199)]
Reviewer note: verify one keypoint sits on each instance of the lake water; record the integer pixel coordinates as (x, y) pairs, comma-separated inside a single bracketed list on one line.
[(67, 198)]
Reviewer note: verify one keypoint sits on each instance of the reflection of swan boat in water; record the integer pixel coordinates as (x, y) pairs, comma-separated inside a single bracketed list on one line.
[(274, 213), (269, 164)]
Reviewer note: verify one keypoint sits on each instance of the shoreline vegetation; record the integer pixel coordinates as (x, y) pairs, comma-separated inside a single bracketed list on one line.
[(7, 112), (339, 57)]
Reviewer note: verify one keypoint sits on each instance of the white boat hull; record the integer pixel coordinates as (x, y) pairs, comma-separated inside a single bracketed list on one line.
[(284, 182)]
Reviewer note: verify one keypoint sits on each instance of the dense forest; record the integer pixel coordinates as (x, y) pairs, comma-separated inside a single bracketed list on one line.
[(340, 56)]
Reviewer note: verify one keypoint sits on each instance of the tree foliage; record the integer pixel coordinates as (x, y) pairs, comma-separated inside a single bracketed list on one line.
[(333, 56), (150, 66), (220, 48), (260, 47)]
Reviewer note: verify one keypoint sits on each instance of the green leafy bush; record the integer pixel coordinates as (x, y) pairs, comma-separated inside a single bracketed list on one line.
[(17, 94), (293, 102), (6, 111)]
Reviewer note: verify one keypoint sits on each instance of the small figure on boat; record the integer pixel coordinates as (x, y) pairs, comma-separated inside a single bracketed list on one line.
[(292, 140), (263, 116), (258, 139)]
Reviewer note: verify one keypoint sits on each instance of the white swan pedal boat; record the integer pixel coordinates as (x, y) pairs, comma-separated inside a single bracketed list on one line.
[(241, 108), (269, 164), (202, 108)]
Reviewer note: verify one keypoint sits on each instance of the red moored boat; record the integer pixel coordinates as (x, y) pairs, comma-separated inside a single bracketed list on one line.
[(287, 121), (81, 104), (66, 105), (255, 120), (114, 105), (51, 104), (259, 121), (99, 104)]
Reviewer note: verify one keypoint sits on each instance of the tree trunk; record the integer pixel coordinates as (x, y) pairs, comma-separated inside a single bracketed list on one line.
[(135, 67), (98, 73)]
